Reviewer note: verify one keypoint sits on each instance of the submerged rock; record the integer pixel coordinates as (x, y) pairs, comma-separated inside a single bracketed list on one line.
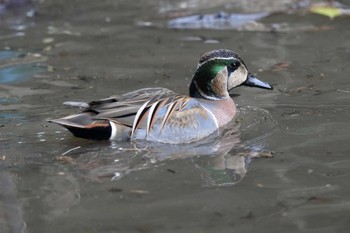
[(221, 20)]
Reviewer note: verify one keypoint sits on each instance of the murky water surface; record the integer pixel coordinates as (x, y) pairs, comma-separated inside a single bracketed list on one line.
[(74, 50)]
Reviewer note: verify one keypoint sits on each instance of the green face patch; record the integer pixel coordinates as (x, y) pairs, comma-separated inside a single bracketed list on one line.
[(218, 65), (216, 68), (209, 70)]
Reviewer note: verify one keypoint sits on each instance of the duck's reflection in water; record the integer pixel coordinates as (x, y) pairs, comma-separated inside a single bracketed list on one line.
[(220, 159)]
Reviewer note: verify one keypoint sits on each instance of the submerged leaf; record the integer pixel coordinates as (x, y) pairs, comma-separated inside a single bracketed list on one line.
[(329, 11)]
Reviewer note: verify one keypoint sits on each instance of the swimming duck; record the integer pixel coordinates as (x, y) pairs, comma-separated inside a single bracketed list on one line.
[(161, 115)]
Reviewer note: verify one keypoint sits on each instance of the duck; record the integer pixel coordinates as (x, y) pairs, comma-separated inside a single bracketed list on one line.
[(161, 115)]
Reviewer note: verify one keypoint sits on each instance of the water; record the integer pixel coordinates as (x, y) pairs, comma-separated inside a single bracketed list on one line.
[(52, 182)]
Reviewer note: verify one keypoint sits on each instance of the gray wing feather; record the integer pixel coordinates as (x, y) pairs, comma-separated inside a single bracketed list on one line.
[(123, 108)]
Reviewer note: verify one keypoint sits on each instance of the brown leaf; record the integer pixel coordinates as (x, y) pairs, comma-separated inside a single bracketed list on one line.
[(65, 159), (281, 66)]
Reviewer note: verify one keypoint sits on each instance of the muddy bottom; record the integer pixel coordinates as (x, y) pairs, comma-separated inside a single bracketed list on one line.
[(282, 166)]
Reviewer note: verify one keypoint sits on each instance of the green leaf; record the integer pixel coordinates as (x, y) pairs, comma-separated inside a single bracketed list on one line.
[(329, 11)]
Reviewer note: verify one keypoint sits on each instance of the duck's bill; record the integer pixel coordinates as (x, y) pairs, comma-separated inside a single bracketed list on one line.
[(254, 82)]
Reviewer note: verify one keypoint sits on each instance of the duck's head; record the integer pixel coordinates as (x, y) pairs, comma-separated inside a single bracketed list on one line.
[(218, 72)]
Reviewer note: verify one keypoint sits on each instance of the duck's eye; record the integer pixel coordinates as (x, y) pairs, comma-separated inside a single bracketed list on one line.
[(234, 65)]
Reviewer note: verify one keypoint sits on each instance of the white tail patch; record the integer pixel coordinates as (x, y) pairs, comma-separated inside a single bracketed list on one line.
[(114, 131)]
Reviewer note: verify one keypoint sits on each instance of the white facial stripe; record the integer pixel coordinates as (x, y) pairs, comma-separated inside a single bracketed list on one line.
[(217, 58), (237, 77)]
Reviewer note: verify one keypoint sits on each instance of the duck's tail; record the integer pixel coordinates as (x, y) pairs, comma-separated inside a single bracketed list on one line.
[(84, 125)]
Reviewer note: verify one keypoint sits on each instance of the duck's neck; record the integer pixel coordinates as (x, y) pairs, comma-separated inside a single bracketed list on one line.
[(194, 93)]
